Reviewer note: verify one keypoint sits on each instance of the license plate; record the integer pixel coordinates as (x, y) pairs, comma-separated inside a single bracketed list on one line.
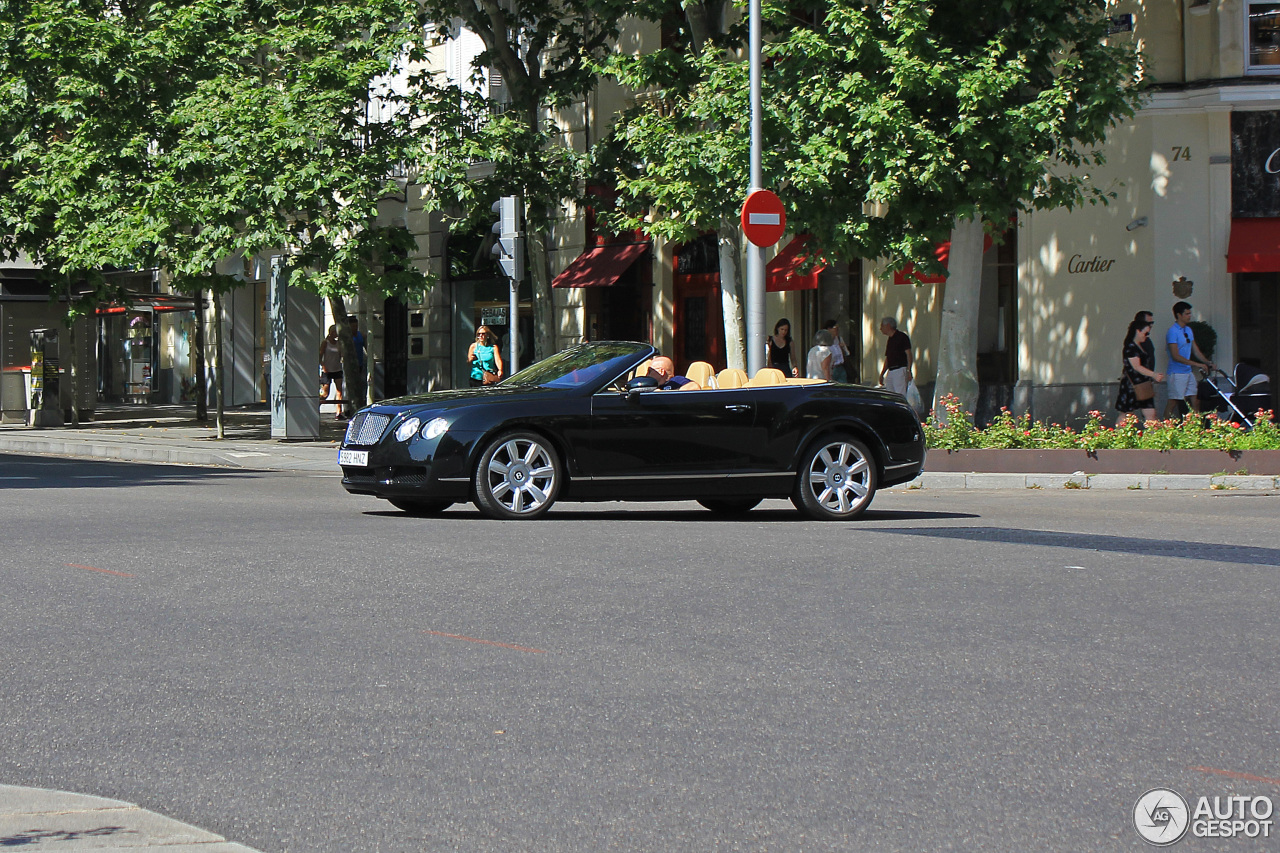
[(358, 458)]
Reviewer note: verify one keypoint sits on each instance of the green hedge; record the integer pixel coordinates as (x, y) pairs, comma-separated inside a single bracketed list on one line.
[(1007, 431)]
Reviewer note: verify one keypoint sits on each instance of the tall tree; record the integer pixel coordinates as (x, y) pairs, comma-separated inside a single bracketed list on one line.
[(179, 135), (888, 123), (546, 55)]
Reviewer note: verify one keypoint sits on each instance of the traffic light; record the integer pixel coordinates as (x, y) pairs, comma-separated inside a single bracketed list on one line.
[(508, 247)]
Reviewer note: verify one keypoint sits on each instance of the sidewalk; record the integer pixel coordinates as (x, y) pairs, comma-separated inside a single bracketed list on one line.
[(63, 822), (171, 435)]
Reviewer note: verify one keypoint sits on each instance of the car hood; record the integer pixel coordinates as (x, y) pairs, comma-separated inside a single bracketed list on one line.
[(439, 401)]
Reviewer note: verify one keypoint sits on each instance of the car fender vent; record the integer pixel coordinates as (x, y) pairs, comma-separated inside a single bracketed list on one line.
[(366, 428)]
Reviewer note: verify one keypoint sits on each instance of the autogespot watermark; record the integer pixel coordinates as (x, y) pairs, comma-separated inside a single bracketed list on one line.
[(1162, 817)]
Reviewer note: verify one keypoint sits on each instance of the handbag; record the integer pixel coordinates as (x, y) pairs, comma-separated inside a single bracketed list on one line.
[(1144, 392), (488, 378)]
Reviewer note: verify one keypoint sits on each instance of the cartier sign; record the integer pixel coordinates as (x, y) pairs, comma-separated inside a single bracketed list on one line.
[(1080, 264), (1255, 164)]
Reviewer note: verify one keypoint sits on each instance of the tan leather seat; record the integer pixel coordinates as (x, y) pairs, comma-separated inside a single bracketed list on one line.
[(702, 373), (804, 381), (731, 377), (691, 386), (642, 369), (766, 377)]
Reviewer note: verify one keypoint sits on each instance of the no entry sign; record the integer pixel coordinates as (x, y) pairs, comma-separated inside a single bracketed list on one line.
[(763, 219)]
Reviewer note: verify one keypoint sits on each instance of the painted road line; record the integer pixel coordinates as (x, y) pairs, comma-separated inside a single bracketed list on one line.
[(486, 642), (104, 571), (1231, 774)]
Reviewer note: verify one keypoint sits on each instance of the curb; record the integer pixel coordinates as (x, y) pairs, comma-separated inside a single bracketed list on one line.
[(259, 457), (312, 459), (1133, 482), (62, 821)]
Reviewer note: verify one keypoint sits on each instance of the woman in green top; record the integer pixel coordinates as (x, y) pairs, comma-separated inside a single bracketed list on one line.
[(484, 357)]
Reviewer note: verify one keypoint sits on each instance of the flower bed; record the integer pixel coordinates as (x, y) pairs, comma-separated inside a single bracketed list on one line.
[(1006, 431)]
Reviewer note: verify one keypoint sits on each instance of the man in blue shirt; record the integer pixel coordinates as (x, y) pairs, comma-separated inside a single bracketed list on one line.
[(358, 340), (1182, 346), (663, 369)]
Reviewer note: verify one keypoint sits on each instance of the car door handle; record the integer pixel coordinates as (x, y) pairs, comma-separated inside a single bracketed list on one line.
[(738, 407)]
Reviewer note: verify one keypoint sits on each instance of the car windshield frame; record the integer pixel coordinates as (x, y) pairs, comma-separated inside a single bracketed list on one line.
[(584, 367)]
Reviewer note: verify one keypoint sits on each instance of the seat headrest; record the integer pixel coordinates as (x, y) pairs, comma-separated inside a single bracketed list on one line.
[(731, 377), (767, 376), (700, 372)]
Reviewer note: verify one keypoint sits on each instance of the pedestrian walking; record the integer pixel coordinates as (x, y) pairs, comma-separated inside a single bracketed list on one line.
[(1182, 345), (896, 372), (821, 355), (484, 358), (1138, 373), (779, 348), (356, 385), (1149, 346), (331, 370), (839, 352)]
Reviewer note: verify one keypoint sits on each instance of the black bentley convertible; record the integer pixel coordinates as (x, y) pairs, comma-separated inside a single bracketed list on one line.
[(589, 424)]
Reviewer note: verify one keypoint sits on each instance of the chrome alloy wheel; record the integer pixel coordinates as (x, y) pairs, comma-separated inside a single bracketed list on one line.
[(520, 476), (838, 481)]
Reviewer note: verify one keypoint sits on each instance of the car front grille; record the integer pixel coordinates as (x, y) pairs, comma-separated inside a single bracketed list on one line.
[(366, 428)]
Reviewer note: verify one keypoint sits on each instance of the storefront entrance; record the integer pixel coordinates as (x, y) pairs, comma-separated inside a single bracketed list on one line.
[(1257, 321)]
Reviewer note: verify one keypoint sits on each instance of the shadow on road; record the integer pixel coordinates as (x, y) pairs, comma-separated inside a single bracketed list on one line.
[(1144, 546), (694, 513), (48, 472)]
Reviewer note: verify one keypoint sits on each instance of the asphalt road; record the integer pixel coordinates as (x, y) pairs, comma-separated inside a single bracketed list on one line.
[(266, 657)]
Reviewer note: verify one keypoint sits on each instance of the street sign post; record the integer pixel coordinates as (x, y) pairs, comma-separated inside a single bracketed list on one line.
[(763, 219)]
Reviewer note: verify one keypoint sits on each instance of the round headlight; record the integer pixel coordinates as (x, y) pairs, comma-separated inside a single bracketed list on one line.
[(435, 428), (405, 431)]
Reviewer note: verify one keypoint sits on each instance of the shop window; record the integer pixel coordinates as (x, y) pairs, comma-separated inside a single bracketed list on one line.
[(1258, 321), (1263, 38), (998, 313)]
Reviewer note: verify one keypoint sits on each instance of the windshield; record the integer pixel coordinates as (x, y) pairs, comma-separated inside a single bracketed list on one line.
[(582, 365)]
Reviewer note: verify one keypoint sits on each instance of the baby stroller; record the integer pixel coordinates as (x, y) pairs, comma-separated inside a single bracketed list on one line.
[(1237, 398)]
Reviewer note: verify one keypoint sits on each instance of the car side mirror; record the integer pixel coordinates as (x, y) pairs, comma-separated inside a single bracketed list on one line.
[(639, 385)]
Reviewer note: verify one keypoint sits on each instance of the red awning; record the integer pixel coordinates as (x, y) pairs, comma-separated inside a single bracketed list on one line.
[(942, 251), (1254, 246), (780, 273), (601, 266)]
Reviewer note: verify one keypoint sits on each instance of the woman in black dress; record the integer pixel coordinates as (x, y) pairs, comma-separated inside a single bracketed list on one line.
[(1139, 374), (780, 348)]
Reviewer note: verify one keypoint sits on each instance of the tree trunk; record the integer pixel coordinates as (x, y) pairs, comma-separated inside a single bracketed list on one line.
[(958, 337), (702, 19), (735, 330), (202, 372), (218, 374), (544, 324), (350, 364), (72, 373)]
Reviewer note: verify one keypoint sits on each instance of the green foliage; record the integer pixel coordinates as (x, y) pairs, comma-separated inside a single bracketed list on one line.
[(883, 122), (178, 134), (957, 432)]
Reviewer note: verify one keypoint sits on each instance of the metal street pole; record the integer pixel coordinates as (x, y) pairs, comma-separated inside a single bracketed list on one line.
[(755, 254)]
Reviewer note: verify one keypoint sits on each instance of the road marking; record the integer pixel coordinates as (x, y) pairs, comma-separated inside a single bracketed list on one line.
[(104, 571), (1231, 774), (17, 478), (94, 477), (485, 642)]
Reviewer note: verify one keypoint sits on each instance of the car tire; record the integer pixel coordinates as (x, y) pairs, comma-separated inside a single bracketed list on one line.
[(418, 507), (836, 479), (519, 476), (729, 506)]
